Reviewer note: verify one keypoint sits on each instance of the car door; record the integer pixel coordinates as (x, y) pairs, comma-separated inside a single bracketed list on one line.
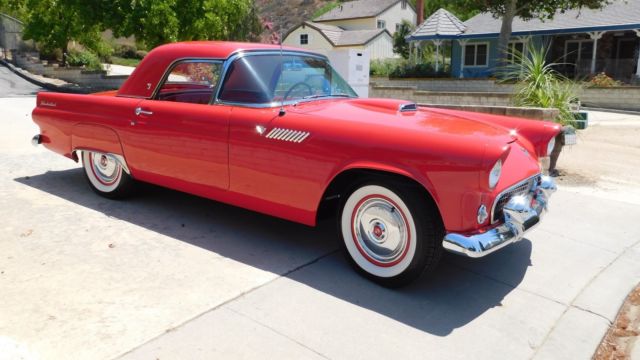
[(273, 158), (177, 138)]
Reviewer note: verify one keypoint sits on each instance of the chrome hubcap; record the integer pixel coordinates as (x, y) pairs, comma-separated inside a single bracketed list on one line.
[(380, 230), (105, 168)]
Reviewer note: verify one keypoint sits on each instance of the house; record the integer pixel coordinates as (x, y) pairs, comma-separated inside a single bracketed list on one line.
[(361, 24), (582, 42), (10, 34)]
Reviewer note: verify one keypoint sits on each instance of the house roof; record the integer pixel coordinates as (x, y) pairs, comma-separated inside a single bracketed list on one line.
[(440, 22), (618, 15), (340, 37), (358, 9)]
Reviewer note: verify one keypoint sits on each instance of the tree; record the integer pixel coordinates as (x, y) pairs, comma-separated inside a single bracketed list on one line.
[(507, 10), (457, 7), (54, 23), (155, 22), (15, 8), (400, 44)]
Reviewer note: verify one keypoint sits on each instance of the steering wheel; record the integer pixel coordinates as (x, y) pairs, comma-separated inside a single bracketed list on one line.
[(309, 88)]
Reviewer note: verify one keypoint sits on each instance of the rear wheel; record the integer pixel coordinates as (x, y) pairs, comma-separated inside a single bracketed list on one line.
[(390, 233), (106, 175)]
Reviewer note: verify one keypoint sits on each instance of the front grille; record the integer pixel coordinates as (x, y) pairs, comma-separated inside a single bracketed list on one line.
[(520, 188)]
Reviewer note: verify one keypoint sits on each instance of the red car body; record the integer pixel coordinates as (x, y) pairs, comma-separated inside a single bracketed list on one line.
[(241, 155)]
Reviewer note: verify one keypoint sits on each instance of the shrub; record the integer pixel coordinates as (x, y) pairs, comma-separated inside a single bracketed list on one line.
[(50, 54), (602, 80), (418, 71), (125, 51), (84, 58), (539, 85), (401, 68), (140, 54), (384, 67), (325, 9)]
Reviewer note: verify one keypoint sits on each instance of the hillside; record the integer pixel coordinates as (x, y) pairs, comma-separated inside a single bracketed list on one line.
[(284, 14)]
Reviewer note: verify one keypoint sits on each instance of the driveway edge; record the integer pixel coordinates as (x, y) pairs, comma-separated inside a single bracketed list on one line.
[(72, 88)]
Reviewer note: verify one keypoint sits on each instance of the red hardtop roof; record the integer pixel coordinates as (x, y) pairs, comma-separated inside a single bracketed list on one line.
[(146, 76)]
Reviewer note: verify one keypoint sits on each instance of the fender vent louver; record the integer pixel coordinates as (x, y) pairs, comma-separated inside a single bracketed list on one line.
[(287, 135)]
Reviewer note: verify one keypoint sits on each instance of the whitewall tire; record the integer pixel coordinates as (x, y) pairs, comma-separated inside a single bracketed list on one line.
[(389, 233), (106, 175)]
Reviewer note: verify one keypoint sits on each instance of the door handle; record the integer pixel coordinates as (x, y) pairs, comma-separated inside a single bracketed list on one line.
[(139, 112)]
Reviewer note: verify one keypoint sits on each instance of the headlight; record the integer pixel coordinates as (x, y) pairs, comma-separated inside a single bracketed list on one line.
[(551, 145), (494, 175)]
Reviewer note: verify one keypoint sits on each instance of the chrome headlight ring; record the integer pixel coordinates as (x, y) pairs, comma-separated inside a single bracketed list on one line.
[(494, 174), (551, 145)]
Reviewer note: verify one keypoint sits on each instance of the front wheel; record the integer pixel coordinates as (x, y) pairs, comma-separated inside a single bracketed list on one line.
[(106, 175), (391, 234)]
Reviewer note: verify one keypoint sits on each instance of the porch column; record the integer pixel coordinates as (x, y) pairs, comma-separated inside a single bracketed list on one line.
[(638, 67), (463, 44), (525, 45), (595, 36), (437, 44)]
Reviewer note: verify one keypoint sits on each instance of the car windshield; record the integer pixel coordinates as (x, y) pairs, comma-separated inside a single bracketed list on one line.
[(272, 78)]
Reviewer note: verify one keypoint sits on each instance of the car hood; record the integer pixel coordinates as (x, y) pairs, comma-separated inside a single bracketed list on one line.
[(386, 113)]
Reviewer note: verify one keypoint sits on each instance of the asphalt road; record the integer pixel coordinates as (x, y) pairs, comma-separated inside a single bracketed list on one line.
[(12, 85), (171, 276)]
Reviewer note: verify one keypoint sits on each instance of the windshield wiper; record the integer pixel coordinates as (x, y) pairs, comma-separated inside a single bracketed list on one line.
[(325, 95)]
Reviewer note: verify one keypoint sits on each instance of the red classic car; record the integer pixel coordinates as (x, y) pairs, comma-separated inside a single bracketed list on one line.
[(280, 132)]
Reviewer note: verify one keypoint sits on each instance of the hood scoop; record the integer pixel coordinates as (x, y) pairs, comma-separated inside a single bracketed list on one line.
[(408, 107)]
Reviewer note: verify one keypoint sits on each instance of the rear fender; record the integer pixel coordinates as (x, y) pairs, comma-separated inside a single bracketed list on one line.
[(97, 138)]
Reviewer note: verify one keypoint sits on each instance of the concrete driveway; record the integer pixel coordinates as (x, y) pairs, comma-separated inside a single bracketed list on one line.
[(166, 275)]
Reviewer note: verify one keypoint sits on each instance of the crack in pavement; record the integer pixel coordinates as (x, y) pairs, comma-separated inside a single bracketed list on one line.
[(279, 333), (571, 304), (242, 294)]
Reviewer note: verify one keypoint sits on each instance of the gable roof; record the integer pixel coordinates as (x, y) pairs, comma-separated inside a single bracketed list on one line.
[(619, 15), (440, 22), (359, 9), (337, 36)]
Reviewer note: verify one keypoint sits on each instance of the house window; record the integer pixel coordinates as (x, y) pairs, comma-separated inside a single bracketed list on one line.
[(476, 54), (304, 39), (515, 50), (578, 52), (404, 4), (382, 24), (398, 27)]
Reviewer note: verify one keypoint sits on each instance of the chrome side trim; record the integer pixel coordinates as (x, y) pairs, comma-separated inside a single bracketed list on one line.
[(119, 158), (287, 135), (521, 213)]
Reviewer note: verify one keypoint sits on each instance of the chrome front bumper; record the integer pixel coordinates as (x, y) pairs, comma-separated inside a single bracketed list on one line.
[(521, 213)]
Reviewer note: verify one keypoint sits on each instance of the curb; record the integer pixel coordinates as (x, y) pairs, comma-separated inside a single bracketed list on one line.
[(73, 88)]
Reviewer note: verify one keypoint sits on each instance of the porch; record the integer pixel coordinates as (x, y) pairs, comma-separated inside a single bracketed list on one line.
[(616, 54)]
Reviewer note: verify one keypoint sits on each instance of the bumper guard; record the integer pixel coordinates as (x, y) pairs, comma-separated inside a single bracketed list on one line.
[(521, 213)]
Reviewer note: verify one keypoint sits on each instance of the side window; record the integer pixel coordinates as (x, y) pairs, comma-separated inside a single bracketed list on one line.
[(191, 82), (382, 24), (250, 80), (304, 39)]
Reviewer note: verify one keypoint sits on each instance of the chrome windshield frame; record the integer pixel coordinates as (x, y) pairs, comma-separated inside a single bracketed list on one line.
[(274, 104)]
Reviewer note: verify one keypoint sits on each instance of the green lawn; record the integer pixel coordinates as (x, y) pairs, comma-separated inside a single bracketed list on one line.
[(125, 62)]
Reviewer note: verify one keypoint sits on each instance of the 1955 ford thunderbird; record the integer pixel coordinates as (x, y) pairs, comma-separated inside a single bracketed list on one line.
[(278, 131)]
